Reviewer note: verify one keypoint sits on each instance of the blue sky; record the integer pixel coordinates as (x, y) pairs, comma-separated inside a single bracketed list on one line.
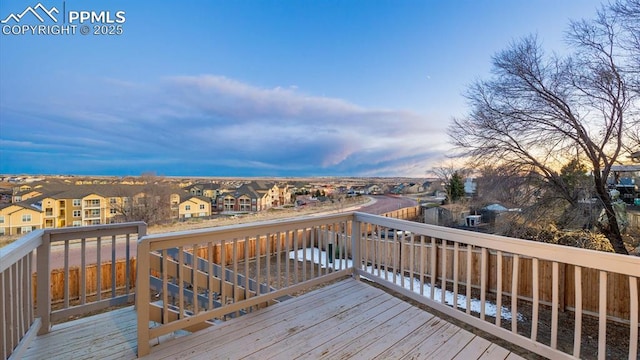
[(254, 88)]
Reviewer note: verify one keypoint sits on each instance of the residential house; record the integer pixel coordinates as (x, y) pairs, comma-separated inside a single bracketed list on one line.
[(16, 219), (194, 207)]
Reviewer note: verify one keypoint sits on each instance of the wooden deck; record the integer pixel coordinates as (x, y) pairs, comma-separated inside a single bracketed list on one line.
[(345, 320)]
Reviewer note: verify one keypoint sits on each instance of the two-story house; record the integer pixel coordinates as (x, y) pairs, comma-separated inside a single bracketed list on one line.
[(16, 219)]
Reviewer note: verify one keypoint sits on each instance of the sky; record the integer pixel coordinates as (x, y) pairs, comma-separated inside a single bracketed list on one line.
[(250, 88)]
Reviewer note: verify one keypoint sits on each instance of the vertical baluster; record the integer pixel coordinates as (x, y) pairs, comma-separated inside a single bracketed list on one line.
[(83, 271), (66, 274), (114, 260), (194, 276), (498, 288), (633, 317), (312, 248), (165, 287), (294, 245), (286, 269), (99, 268), (278, 261), (468, 285), (326, 246), (247, 293), (376, 244), (127, 265), (443, 282), (577, 333), (554, 305), (223, 272), (602, 317), (18, 295), (181, 282), (514, 293), (411, 260), (235, 272), (267, 260), (456, 266), (258, 265), (422, 261), (434, 269), (484, 264), (303, 247), (210, 275), (536, 298), (394, 254)]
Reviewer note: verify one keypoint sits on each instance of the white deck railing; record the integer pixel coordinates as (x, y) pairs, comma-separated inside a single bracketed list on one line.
[(238, 268), (24, 316)]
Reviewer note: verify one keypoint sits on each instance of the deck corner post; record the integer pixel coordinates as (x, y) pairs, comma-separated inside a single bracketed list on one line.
[(43, 284), (356, 242), (142, 296)]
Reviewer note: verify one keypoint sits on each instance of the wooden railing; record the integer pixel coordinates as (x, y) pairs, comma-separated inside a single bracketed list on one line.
[(190, 280), (26, 310), (477, 278), (489, 282)]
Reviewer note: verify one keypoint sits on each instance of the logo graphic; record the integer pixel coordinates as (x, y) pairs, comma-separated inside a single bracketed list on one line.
[(34, 12), (70, 20)]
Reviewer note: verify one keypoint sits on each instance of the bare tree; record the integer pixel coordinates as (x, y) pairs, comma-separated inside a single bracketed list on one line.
[(149, 202), (628, 15), (537, 111)]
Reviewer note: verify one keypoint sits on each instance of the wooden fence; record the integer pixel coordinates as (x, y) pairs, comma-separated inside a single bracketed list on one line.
[(386, 250), (58, 283)]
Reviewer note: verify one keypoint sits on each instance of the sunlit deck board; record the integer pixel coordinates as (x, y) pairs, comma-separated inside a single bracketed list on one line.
[(347, 319)]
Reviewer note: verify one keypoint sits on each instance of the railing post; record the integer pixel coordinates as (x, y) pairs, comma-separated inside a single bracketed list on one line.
[(356, 242), (43, 287), (142, 295)]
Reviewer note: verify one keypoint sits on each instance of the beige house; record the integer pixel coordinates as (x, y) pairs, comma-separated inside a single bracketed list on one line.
[(194, 206), (16, 219)]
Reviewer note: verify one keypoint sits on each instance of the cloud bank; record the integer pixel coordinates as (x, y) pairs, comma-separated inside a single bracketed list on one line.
[(211, 125)]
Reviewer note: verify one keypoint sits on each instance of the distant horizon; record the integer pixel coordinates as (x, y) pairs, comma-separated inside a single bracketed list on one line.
[(254, 88)]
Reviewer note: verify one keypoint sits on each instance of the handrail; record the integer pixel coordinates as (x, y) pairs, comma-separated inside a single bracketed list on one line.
[(628, 265), (18, 249)]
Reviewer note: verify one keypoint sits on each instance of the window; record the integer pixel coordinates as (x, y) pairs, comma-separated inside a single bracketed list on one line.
[(112, 200), (202, 214), (1, 231), (77, 223), (2, 219), (76, 202), (26, 229), (187, 207), (92, 203), (201, 206), (76, 213), (113, 211), (26, 218)]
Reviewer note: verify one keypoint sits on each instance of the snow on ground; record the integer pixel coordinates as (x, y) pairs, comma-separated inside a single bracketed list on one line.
[(320, 257)]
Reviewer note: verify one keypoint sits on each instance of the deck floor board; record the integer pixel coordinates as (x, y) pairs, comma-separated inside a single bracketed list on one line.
[(348, 319)]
